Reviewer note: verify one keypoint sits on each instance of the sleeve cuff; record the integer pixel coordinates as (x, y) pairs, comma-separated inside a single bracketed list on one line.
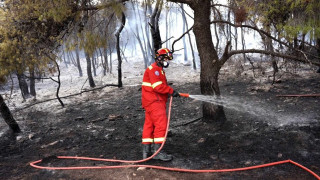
[(171, 91)]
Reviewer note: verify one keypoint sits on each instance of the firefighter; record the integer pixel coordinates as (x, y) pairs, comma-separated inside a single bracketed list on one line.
[(155, 91)]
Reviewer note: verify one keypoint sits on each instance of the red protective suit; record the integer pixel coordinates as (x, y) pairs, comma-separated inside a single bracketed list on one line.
[(155, 92)]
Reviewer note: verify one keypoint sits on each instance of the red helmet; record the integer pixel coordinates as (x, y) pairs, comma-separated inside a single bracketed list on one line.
[(164, 52)]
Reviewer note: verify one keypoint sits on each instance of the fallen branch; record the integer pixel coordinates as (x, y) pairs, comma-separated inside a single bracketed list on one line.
[(100, 119), (66, 96), (188, 122)]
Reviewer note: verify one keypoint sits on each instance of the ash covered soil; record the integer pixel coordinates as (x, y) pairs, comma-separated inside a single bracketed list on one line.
[(108, 123)]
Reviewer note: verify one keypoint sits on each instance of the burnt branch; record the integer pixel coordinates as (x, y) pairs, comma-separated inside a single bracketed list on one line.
[(273, 38), (57, 81), (99, 7), (295, 58), (180, 38), (256, 29), (63, 97), (166, 40), (189, 2), (184, 11), (225, 55)]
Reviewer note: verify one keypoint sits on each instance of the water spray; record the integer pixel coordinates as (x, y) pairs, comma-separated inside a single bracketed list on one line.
[(241, 104), (238, 104)]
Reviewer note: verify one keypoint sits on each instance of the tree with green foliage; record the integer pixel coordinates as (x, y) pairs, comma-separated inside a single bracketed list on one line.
[(32, 30), (291, 21), (210, 58)]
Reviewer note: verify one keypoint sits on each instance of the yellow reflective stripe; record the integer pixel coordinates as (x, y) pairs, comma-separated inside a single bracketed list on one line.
[(150, 67), (146, 84), (147, 140), (159, 139), (154, 85)]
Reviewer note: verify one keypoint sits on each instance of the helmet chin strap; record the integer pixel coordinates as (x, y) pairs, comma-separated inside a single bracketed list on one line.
[(159, 63)]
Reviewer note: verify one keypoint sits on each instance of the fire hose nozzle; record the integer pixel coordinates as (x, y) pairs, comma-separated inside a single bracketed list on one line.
[(184, 94)]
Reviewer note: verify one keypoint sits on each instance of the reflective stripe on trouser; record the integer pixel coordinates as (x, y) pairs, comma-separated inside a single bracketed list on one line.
[(158, 140), (147, 140), (155, 123)]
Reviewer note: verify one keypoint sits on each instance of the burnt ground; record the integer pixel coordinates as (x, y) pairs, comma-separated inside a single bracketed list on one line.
[(109, 125)]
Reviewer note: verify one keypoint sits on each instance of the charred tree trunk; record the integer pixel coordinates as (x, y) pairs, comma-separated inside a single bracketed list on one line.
[(7, 116), (23, 85), (94, 64), (212, 112), (59, 84), (123, 22), (145, 59), (190, 41), (168, 27), (210, 65), (32, 82), (84, 21), (78, 60), (269, 47), (154, 26), (105, 64), (149, 49), (66, 62), (318, 51), (185, 51), (89, 72), (303, 41), (110, 65), (137, 34)]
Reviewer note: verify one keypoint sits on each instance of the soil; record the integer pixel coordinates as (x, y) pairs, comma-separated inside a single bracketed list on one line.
[(108, 124)]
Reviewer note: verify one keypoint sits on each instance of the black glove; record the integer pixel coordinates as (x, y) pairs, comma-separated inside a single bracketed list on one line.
[(175, 94)]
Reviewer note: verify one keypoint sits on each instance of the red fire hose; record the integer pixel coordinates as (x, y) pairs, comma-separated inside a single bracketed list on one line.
[(134, 163)]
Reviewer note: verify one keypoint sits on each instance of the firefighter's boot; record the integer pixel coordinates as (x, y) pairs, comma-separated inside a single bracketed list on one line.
[(146, 151), (161, 155)]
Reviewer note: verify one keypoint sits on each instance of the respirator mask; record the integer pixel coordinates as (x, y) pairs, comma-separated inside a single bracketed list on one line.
[(165, 64)]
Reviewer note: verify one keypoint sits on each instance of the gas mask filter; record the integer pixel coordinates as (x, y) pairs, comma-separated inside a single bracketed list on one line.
[(165, 64)]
